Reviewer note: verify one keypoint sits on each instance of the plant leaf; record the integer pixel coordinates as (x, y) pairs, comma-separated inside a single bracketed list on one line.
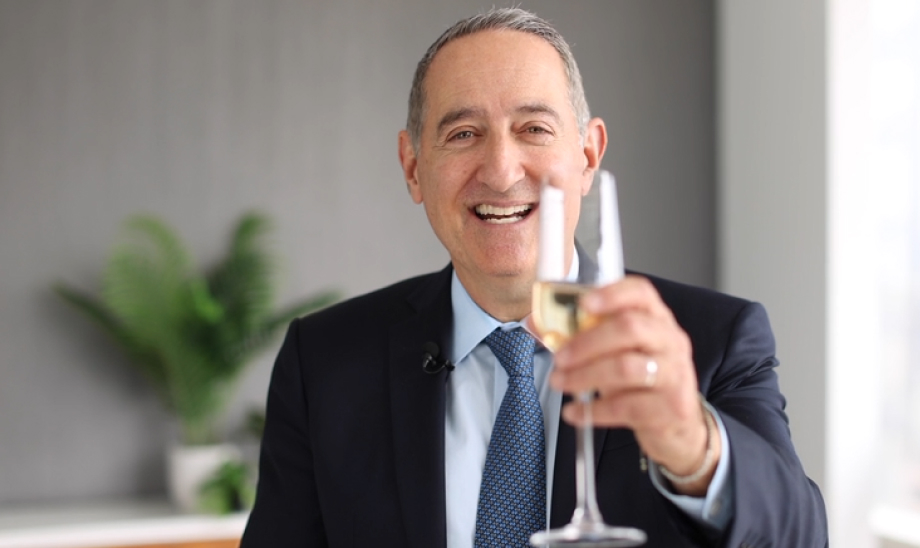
[(257, 339), (190, 333), (144, 357)]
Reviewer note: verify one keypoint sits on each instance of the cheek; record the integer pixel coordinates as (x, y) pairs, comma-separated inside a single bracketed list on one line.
[(572, 209), (444, 180), (436, 195)]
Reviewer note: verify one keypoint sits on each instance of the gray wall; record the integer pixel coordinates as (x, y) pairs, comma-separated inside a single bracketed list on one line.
[(773, 192), (197, 111)]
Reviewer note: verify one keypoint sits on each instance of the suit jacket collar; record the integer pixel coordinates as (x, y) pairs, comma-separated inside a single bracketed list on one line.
[(417, 401)]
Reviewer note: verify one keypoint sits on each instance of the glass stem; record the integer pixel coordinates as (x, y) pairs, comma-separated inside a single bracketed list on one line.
[(586, 509)]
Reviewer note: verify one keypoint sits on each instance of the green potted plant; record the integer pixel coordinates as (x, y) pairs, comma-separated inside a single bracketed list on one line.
[(191, 333)]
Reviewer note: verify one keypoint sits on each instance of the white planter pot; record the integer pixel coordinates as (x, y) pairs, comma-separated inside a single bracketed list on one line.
[(188, 467)]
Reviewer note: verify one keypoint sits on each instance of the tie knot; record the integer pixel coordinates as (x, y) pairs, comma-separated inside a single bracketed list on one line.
[(514, 350)]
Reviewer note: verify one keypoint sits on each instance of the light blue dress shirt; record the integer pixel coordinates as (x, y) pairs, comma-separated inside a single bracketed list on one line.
[(475, 389)]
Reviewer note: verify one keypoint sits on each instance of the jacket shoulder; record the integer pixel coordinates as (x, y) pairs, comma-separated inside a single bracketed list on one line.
[(713, 319), (379, 307), (689, 300)]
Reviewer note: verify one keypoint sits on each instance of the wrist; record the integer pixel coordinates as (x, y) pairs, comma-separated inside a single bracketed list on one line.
[(694, 480)]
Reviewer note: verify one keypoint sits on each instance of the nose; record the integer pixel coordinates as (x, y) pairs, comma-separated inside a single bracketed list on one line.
[(502, 166)]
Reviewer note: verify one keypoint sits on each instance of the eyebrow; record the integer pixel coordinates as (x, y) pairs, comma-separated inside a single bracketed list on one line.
[(461, 113), (457, 114), (540, 108)]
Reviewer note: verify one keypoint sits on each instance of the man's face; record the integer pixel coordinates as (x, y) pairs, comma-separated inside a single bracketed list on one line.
[(497, 122)]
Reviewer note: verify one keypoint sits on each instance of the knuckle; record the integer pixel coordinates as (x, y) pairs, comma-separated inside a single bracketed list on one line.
[(609, 375), (630, 325), (646, 287)]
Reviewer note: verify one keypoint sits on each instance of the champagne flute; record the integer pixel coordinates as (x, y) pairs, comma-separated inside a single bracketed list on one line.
[(557, 317)]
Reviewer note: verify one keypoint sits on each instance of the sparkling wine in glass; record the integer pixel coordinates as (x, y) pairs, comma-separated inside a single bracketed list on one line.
[(557, 316)]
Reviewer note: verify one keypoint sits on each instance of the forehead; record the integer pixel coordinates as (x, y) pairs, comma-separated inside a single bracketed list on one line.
[(496, 69)]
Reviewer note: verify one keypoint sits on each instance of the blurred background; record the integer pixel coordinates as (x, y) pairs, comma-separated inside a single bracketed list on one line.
[(765, 149)]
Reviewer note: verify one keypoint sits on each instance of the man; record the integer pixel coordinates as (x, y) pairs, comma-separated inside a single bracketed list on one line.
[(363, 447)]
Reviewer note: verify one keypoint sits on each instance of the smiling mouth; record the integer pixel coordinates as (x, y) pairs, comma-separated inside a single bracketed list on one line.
[(503, 215)]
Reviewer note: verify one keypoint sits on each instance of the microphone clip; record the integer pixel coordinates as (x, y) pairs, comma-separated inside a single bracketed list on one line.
[(432, 363)]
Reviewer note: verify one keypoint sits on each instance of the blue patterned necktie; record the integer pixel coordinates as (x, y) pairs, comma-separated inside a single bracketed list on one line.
[(512, 498)]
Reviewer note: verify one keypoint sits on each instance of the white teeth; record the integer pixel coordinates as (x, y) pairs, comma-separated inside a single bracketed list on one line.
[(485, 209), (502, 215), (504, 220)]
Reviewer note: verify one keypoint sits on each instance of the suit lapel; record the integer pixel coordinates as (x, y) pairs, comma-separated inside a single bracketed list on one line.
[(417, 404)]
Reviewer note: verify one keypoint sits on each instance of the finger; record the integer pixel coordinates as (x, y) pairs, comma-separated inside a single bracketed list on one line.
[(670, 430), (632, 292), (647, 412), (618, 412), (612, 374), (630, 331)]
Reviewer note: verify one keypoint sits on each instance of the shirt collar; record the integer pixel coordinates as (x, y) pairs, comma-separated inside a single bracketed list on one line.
[(472, 324)]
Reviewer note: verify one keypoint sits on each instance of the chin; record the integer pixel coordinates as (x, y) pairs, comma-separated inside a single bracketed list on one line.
[(503, 263), (525, 271)]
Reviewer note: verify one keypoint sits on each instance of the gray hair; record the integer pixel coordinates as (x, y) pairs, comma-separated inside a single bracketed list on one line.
[(497, 19)]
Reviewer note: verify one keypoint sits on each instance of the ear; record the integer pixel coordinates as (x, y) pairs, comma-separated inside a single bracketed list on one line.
[(594, 147), (409, 162)]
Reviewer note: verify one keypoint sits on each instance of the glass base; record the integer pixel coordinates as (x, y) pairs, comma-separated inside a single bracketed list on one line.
[(594, 536)]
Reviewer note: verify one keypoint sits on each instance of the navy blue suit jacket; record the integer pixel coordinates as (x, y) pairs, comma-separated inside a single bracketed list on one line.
[(353, 450)]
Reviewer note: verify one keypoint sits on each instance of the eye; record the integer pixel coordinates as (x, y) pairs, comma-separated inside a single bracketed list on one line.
[(461, 135), (538, 130), (537, 133)]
